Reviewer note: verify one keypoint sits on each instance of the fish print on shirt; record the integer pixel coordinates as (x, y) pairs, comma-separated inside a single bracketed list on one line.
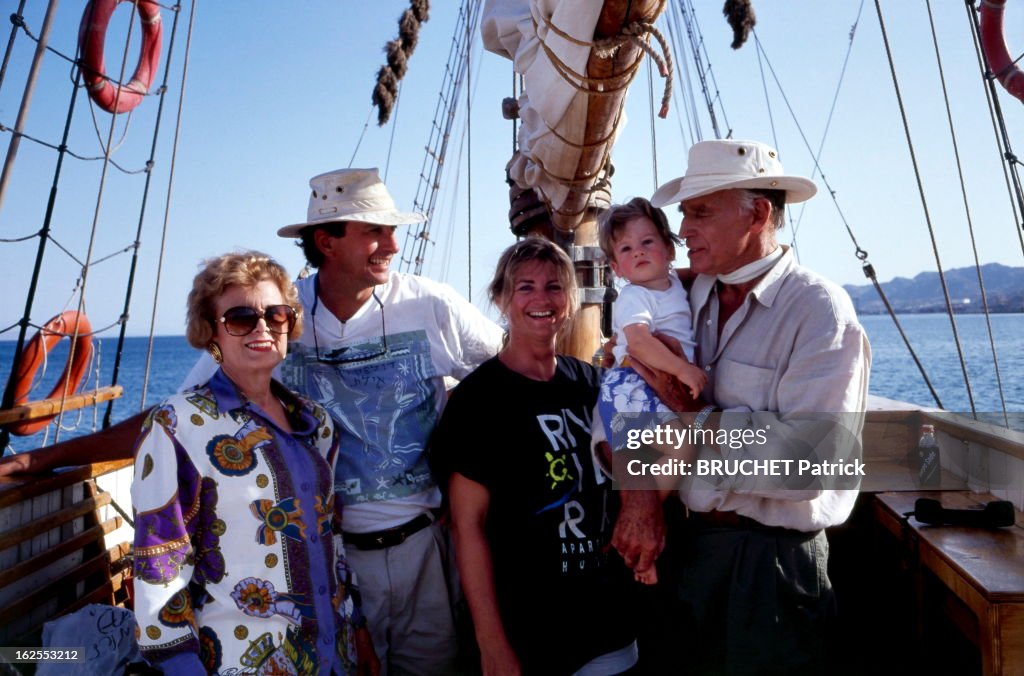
[(384, 407)]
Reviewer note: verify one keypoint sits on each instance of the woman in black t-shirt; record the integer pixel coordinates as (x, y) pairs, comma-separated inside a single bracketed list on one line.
[(532, 514)]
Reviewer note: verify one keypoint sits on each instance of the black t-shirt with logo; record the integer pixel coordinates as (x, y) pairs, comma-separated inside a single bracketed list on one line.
[(563, 598)]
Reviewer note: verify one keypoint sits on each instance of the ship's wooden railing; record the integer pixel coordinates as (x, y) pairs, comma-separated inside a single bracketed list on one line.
[(974, 454), (34, 410), (55, 555)]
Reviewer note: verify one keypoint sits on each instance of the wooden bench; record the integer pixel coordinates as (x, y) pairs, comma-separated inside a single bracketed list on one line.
[(972, 578), (54, 553)]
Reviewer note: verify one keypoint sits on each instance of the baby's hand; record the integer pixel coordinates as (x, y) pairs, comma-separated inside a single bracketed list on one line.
[(693, 377)]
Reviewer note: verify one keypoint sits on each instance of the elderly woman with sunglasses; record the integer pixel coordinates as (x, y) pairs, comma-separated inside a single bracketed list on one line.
[(239, 563), (531, 512)]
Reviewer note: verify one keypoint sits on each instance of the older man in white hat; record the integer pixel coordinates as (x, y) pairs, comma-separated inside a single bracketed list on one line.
[(772, 337)]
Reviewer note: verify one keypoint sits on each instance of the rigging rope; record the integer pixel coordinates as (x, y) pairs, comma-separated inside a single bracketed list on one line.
[(927, 215), (16, 19), (20, 23), (771, 124), (673, 29), (967, 212), (654, 138), (90, 260), (513, 118), (73, 154), (72, 335), (95, 262), (8, 398), (432, 168), (13, 240), (869, 272), (860, 253), (167, 201), (635, 34), (26, 98), (394, 126), (693, 32), (99, 134), (469, 165), (445, 214), (1010, 161), (359, 141), (119, 353), (831, 111), (99, 202)]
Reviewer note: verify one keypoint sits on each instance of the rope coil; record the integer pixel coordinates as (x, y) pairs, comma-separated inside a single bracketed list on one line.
[(636, 33), (398, 51)]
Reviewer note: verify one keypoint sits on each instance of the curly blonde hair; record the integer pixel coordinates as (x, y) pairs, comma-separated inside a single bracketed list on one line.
[(243, 268)]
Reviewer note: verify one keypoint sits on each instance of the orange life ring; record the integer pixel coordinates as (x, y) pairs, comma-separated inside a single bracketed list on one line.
[(32, 358), (996, 52), (91, 35)]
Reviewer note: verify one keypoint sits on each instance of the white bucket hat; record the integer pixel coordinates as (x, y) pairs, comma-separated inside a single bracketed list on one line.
[(728, 164), (350, 195)]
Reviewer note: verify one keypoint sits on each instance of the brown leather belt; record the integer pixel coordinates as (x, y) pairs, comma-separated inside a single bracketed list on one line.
[(389, 537), (716, 519)]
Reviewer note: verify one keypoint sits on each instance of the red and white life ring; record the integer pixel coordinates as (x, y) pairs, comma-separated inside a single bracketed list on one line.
[(34, 354), (92, 34), (994, 45)]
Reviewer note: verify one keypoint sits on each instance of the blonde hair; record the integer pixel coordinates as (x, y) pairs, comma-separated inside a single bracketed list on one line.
[(243, 268), (611, 222), (530, 250)]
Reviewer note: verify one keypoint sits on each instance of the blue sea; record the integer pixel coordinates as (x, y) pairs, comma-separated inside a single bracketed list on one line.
[(172, 359), (893, 373)]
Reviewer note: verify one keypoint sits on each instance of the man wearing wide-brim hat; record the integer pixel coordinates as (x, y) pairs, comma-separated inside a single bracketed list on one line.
[(778, 343), (376, 350)]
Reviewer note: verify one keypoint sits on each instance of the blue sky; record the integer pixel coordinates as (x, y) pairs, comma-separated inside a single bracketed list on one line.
[(278, 92)]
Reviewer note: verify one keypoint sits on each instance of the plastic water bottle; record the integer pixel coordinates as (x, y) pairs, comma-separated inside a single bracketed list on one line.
[(929, 471)]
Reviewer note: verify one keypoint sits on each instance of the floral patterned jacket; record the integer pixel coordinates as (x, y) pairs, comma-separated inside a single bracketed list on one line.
[(239, 562)]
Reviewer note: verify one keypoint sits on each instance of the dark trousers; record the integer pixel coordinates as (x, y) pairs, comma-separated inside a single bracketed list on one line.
[(747, 601), (756, 601)]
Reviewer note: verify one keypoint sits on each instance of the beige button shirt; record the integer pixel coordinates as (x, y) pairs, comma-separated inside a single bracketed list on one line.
[(793, 348)]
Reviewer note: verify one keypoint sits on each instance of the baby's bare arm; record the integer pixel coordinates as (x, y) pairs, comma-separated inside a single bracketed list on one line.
[(644, 347)]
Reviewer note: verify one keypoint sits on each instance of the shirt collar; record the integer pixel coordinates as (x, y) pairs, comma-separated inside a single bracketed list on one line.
[(225, 392), (229, 398)]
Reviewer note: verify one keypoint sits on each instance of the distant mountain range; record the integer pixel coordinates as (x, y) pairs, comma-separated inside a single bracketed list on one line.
[(1004, 287)]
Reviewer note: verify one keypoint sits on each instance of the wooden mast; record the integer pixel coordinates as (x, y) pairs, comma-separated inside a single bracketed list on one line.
[(574, 220)]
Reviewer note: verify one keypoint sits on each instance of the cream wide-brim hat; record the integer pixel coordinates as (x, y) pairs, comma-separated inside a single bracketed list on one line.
[(350, 195), (729, 164)]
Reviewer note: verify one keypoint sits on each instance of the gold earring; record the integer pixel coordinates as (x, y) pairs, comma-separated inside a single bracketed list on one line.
[(214, 350)]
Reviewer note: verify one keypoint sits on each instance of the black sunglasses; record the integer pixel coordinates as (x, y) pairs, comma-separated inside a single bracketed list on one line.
[(243, 320), (340, 356)]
